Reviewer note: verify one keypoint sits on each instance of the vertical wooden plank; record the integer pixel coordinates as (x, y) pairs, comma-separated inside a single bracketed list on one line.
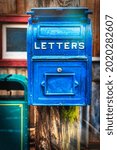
[(94, 28), (3, 71), (31, 114), (94, 5), (50, 3), (80, 125), (4, 92), (96, 24), (7, 6), (11, 70), (21, 71), (90, 5), (67, 3), (20, 6), (76, 3), (3, 6), (0, 41), (32, 123), (26, 72), (83, 3), (31, 4), (58, 3), (0, 6), (47, 3), (95, 113), (11, 6), (97, 53)]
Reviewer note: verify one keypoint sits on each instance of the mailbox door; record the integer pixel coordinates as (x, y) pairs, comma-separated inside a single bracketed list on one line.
[(59, 83)]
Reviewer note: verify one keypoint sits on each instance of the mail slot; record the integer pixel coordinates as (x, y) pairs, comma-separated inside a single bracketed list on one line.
[(59, 48)]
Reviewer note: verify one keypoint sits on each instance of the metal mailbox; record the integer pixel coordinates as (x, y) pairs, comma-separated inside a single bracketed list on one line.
[(59, 45), (13, 113)]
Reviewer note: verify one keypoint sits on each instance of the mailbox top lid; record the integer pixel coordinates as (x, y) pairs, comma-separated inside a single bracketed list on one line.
[(59, 12)]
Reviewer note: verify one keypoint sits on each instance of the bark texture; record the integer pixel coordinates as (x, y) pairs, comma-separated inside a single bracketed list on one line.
[(48, 134), (54, 133)]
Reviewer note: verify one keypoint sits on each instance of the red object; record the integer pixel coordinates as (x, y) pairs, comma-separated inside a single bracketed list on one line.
[(13, 63), (14, 19), (23, 19)]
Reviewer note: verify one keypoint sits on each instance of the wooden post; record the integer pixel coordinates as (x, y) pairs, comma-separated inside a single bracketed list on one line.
[(48, 128)]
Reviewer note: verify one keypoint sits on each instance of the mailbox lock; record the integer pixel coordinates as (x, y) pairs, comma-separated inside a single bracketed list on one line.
[(59, 69)]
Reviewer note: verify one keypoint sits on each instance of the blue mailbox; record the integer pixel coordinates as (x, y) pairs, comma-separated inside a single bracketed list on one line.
[(59, 43)]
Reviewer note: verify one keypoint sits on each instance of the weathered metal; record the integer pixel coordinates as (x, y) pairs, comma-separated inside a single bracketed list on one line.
[(59, 44)]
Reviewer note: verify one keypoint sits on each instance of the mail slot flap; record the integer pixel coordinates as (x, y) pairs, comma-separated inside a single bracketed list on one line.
[(65, 31), (54, 84), (59, 58)]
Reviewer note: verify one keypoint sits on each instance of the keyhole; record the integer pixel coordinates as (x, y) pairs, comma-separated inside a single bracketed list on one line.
[(59, 69)]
